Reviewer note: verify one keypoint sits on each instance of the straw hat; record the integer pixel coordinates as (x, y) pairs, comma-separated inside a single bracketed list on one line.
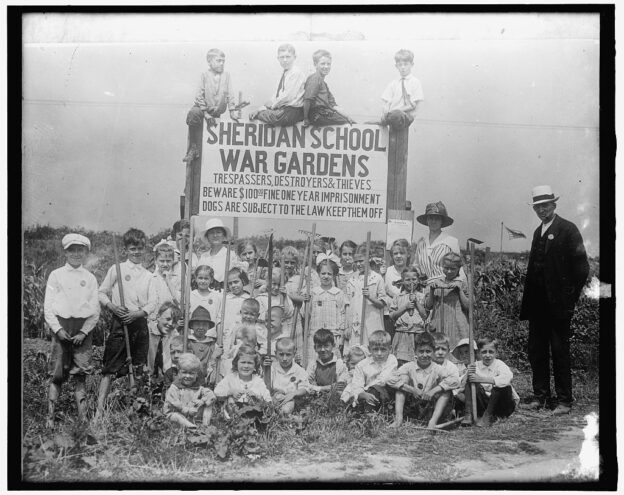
[(543, 194), (435, 209)]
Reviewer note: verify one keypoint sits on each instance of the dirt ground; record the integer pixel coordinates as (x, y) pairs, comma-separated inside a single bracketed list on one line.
[(557, 458)]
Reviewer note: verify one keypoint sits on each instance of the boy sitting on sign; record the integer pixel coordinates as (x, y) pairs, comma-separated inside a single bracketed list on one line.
[(286, 107), (319, 104), (402, 95), (214, 95)]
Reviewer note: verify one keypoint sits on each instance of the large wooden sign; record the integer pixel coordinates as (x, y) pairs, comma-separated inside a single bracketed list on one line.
[(316, 173)]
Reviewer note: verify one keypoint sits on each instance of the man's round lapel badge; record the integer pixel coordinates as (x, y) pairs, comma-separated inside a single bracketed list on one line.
[(550, 237), (128, 278)]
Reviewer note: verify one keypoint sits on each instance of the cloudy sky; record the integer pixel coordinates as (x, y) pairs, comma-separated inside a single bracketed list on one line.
[(511, 101)]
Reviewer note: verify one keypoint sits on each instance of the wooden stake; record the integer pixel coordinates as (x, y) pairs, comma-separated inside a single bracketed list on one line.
[(473, 390), (308, 306), (299, 287), (186, 288), (123, 304), (366, 271), (269, 326), (220, 328)]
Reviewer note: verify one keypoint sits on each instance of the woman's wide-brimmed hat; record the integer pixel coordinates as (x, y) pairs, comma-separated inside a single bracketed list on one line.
[(435, 209), (543, 194), (214, 223)]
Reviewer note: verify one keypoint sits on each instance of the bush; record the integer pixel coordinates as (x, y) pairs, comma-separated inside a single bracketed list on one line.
[(499, 290)]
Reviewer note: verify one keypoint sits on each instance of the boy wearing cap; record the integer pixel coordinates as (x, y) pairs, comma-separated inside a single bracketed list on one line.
[(556, 273), (71, 309), (202, 342)]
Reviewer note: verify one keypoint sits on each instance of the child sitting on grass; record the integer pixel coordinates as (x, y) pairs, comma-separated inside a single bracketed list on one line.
[(71, 309), (461, 353), (327, 370), (371, 375), (243, 382), (288, 380), (496, 397), (356, 354), (187, 400), (428, 387), (176, 348)]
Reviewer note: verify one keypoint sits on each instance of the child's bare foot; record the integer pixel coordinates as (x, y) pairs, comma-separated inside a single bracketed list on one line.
[(395, 424)]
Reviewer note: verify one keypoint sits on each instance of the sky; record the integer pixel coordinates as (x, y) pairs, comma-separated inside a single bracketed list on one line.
[(511, 102)]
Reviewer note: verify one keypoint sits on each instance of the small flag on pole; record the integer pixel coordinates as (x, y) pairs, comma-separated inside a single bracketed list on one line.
[(514, 234)]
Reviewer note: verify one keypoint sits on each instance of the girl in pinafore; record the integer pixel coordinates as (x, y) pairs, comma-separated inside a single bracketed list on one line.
[(449, 300)]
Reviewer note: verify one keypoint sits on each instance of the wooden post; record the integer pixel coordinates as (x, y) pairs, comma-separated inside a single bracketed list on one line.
[(193, 172), (397, 168)]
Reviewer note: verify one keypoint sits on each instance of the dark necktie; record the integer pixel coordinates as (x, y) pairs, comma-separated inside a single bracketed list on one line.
[(280, 86), (404, 93)]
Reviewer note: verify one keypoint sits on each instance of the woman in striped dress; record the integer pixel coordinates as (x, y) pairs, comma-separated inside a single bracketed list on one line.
[(430, 249)]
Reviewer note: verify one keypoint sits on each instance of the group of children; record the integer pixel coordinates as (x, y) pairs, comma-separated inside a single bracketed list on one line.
[(326, 328), (299, 98)]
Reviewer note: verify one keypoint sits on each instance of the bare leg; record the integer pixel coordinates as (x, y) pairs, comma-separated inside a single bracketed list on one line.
[(102, 395), (398, 409), (207, 415), (80, 395), (176, 417), (53, 395), (440, 405)]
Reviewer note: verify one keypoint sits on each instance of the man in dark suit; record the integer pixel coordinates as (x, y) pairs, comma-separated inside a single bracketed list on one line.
[(556, 274)]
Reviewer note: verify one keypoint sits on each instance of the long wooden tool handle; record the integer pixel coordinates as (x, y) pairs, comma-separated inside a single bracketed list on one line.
[(366, 271), (308, 306), (269, 326), (270, 286), (221, 327), (123, 304), (300, 286), (473, 389), (186, 288)]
